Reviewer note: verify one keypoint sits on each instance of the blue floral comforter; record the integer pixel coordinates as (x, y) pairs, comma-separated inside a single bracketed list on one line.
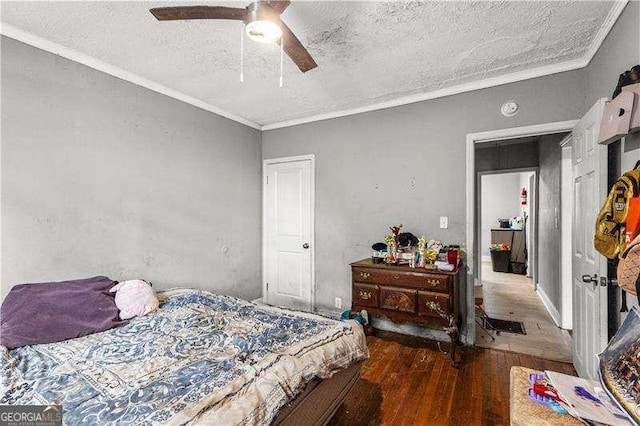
[(201, 358)]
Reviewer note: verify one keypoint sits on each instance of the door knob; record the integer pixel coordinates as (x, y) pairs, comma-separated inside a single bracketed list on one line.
[(305, 246), (590, 279)]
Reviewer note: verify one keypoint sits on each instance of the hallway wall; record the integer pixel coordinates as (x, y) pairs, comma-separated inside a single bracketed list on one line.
[(549, 235)]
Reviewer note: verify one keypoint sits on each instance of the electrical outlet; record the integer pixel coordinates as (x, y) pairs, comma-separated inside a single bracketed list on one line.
[(444, 222), (339, 302)]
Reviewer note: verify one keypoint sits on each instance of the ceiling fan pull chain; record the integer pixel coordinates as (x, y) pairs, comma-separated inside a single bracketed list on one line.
[(281, 56), (242, 54)]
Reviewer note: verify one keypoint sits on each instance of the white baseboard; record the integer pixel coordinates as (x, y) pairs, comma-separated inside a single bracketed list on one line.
[(555, 315), (330, 313), (257, 301)]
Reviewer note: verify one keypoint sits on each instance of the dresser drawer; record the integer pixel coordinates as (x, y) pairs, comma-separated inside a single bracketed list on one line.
[(427, 301), (418, 280), (436, 283), (398, 299), (365, 295), (365, 275)]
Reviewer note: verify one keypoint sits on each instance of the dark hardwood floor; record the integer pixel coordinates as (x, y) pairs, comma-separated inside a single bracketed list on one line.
[(407, 381)]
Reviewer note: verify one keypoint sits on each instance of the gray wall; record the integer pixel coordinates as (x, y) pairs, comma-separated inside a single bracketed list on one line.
[(100, 176), (619, 52), (500, 198), (405, 165), (549, 235)]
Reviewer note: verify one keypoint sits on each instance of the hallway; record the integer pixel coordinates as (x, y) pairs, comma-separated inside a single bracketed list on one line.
[(511, 297)]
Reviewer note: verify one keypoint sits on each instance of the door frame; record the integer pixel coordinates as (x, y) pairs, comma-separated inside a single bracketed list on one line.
[(566, 218), (534, 183), (266, 162), (533, 215), (471, 241)]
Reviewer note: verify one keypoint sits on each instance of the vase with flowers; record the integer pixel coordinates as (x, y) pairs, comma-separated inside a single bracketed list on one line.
[(422, 245), (392, 249)]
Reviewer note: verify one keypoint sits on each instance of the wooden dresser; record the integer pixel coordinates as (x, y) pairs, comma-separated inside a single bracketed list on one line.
[(409, 295)]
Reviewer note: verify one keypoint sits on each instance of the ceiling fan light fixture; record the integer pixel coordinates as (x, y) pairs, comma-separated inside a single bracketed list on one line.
[(262, 23), (263, 31)]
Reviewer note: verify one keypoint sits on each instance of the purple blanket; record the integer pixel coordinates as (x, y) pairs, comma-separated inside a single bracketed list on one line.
[(51, 312)]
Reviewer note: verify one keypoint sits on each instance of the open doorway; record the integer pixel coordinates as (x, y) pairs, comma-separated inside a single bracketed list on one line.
[(507, 222), (519, 294)]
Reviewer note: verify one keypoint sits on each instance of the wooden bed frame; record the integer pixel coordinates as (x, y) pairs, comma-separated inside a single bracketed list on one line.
[(319, 400)]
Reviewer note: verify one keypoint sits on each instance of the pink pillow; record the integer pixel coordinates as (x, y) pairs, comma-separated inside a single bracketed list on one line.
[(135, 298)]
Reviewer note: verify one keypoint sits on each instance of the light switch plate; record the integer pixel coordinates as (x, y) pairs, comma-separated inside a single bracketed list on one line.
[(444, 222)]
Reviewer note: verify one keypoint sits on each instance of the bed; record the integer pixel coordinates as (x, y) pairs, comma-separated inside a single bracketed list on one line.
[(200, 358)]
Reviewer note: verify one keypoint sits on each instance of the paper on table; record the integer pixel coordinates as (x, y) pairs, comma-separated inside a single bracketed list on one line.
[(579, 394), (444, 266)]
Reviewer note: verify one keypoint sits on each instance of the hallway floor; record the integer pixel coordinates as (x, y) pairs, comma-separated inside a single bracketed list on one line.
[(511, 297)]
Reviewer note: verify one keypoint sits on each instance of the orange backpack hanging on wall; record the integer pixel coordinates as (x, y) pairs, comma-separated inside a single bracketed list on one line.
[(611, 237), (632, 228), (629, 264)]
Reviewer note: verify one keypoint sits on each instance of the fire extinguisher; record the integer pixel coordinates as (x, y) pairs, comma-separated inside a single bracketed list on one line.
[(523, 197)]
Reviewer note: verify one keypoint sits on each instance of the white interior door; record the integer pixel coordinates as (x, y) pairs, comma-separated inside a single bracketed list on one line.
[(589, 160), (288, 233)]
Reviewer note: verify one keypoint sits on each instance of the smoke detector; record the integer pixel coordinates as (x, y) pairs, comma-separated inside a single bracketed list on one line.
[(509, 108)]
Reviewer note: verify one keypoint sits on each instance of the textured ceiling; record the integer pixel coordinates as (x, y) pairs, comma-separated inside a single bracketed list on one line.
[(367, 52)]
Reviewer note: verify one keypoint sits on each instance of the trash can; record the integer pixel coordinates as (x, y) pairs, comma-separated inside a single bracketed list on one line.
[(500, 260)]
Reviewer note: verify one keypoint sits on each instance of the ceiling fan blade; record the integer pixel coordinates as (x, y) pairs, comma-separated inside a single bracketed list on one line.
[(278, 6), (296, 51), (198, 12)]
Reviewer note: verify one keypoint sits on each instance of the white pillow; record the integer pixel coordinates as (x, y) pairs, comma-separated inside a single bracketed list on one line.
[(135, 298)]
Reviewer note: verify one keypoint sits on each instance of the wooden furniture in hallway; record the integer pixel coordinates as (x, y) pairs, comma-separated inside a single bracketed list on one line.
[(409, 295), (516, 240)]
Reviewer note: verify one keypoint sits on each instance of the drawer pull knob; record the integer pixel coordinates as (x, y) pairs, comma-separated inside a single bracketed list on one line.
[(365, 295), (434, 306), (396, 276), (365, 275), (433, 282)]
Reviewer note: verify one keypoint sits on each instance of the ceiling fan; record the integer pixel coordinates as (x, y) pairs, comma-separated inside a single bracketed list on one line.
[(262, 20)]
